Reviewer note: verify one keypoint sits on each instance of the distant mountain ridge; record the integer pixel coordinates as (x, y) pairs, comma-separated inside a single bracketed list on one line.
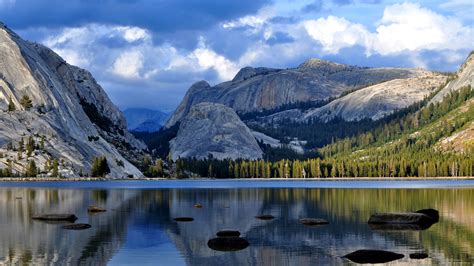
[(145, 120), (255, 89)]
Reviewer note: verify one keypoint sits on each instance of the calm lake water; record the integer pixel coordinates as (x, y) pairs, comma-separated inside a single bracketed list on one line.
[(138, 227)]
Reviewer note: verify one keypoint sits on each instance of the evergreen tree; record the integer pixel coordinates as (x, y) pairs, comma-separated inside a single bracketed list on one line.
[(31, 170), (11, 105), (26, 102), (55, 168), (100, 167)]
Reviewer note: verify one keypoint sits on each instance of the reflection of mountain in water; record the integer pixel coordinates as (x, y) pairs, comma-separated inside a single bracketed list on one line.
[(285, 241), (282, 241), (26, 241)]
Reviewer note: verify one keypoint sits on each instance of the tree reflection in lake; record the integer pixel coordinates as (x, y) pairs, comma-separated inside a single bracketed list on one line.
[(138, 227)]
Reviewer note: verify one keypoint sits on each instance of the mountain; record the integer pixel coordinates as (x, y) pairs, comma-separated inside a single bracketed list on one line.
[(377, 101), (145, 120), (216, 130), (464, 77), (257, 89), (428, 139), (61, 111)]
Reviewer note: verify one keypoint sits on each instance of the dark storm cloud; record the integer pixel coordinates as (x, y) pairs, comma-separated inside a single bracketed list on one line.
[(156, 15)]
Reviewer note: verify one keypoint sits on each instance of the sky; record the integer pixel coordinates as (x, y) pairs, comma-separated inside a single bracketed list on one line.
[(147, 53)]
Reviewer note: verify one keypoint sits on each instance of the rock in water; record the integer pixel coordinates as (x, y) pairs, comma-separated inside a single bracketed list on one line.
[(55, 217), (228, 233), (313, 221), (265, 217), (214, 130), (418, 218), (69, 112), (76, 226), (228, 243), (184, 219), (418, 256), (96, 209), (399, 227), (432, 213), (373, 256)]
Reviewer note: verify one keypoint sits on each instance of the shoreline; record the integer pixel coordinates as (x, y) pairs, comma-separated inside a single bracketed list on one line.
[(98, 179)]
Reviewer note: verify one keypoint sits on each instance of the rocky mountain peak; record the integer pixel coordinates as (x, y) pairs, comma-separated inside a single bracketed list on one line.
[(320, 64), (249, 72)]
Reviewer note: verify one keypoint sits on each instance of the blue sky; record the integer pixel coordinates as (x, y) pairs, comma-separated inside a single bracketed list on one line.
[(147, 53)]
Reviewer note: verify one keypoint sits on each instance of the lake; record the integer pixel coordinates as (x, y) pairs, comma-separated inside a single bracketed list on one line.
[(138, 226)]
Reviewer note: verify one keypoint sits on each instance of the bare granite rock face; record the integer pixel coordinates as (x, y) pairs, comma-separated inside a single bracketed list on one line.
[(216, 130), (377, 101), (465, 77), (70, 111), (255, 89)]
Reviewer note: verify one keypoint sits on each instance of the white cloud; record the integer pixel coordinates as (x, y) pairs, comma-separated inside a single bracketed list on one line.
[(254, 22), (410, 27), (128, 64), (207, 58), (335, 33), (132, 34), (79, 45), (403, 27)]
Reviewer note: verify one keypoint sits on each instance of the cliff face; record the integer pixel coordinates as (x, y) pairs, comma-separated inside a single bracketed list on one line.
[(216, 130), (255, 89), (465, 77), (69, 110)]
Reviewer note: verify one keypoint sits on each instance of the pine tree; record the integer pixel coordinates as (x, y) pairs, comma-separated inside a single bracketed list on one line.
[(55, 169), (31, 170), (26, 102), (11, 105), (30, 146), (100, 167)]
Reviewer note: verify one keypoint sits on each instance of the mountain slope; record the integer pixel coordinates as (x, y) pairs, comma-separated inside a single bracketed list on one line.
[(255, 89), (464, 77), (69, 112), (379, 100), (145, 120), (216, 130)]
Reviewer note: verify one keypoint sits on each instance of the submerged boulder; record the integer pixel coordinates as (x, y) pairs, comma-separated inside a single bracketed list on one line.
[(76, 226), (372, 256), (432, 213), (96, 209), (399, 227), (313, 221), (418, 256), (184, 219), (424, 218), (228, 243), (265, 217), (55, 217), (228, 233)]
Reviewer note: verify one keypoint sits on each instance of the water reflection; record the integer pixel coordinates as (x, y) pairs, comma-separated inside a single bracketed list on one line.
[(138, 227)]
